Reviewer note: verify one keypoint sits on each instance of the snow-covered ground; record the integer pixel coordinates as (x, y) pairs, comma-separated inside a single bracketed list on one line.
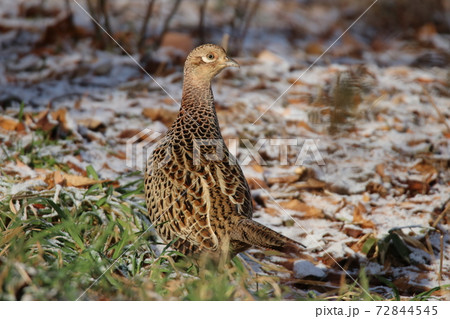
[(380, 125)]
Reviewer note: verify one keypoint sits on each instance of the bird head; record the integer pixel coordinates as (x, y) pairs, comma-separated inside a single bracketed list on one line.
[(206, 61)]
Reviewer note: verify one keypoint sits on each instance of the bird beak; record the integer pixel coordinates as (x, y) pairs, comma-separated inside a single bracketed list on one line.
[(229, 62)]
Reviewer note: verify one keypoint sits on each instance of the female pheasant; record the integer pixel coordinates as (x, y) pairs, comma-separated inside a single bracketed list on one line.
[(197, 196)]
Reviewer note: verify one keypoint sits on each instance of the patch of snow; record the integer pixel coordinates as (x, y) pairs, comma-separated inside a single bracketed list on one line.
[(27, 186), (304, 268)]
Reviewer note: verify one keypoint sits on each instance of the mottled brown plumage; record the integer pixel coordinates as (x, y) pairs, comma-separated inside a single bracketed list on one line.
[(200, 203)]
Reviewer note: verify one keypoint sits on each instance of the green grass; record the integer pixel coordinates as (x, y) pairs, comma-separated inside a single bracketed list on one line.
[(56, 247), (95, 244), (30, 152)]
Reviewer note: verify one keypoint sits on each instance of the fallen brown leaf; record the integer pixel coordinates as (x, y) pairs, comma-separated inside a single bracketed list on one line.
[(8, 123), (308, 211), (417, 187), (177, 40), (426, 32), (76, 168), (272, 211), (288, 179), (128, 133), (92, 124), (168, 101), (375, 188), (28, 119), (12, 207), (302, 124), (352, 231), (429, 171), (300, 171), (256, 183), (258, 168), (301, 99), (310, 183), (74, 180), (296, 81), (120, 154), (268, 56), (380, 171), (314, 48), (359, 219), (21, 164), (60, 116), (163, 115), (43, 122), (404, 284)]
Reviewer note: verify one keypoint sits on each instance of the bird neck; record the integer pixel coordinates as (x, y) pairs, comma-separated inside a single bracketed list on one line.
[(197, 109), (197, 97)]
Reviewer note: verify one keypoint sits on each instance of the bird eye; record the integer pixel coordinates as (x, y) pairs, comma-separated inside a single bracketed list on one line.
[(208, 58)]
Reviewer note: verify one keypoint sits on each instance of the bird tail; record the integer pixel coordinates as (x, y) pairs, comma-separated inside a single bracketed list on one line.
[(256, 234)]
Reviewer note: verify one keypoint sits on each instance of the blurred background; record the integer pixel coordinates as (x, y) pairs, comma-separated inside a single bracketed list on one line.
[(417, 30), (43, 41)]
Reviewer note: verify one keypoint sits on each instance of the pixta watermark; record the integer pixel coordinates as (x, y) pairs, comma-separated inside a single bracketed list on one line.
[(286, 151)]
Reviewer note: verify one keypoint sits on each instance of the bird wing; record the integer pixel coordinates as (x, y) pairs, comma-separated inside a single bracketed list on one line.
[(233, 184), (222, 170), (179, 199)]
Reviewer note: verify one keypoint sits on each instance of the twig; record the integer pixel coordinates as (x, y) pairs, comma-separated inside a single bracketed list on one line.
[(201, 22), (69, 11), (102, 8), (104, 11), (167, 23), (428, 242), (91, 10), (224, 43), (94, 14), (343, 277), (246, 23), (148, 15), (240, 23), (234, 21), (444, 212), (67, 5), (225, 40), (441, 117), (441, 257)]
